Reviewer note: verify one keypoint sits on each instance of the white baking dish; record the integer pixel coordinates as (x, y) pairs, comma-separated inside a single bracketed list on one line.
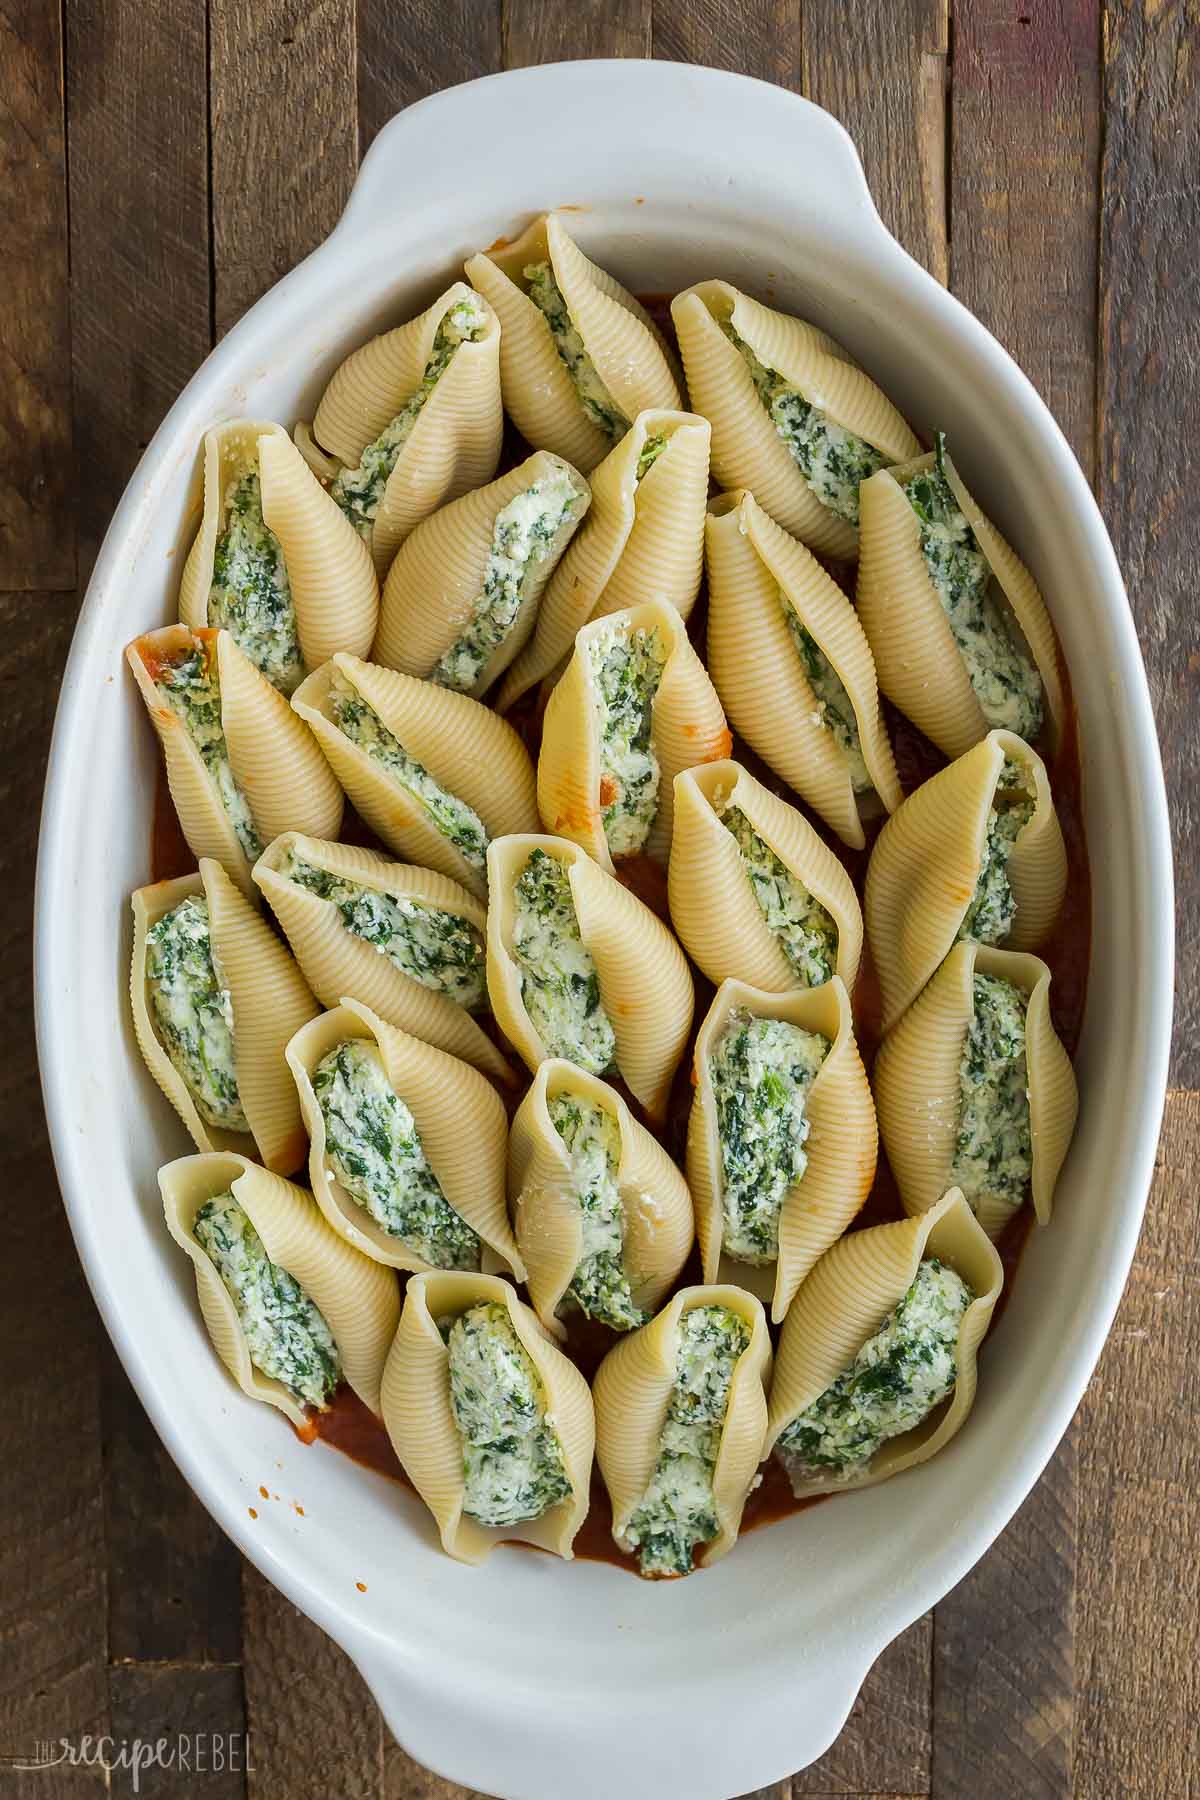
[(528, 1678)]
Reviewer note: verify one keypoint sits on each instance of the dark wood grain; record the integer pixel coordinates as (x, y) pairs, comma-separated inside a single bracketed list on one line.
[(1025, 111), (1149, 280), (541, 31), (284, 139), (761, 37), (37, 527), (194, 1715), (884, 1746), (407, 52)]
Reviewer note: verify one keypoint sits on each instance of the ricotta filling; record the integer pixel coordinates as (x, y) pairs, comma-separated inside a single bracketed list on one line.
[(441, 950), (193, 1013), (989, 917), (374, 1149), (251, 596), (513, 1464), (834, 710), (993, 1154), (600, 1286), (594, 397), (832, 460), (452, 817), (1001, 671), (190, 685), (560, 988), (286, 1334), (907, 1368), (805, 932), (523, 536), (626, 668), (761, 1071), (359, 491), (678, 1510)]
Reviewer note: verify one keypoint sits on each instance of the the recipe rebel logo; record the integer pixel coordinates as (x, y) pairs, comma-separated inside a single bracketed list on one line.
[(194, 1754)]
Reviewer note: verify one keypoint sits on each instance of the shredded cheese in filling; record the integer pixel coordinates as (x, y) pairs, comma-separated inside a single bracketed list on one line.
[(251, 595), (192, 1013), (600, 1286), (807, 934), (993, 907), (594, 397), (190, 685), (626, 666), (513, 1465), (834, 709), (559, 984), (993, 1155)]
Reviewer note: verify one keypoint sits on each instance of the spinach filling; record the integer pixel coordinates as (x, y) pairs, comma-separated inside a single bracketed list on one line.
[(193, 1013), (806, 933), (626, 668), (834, 709), (523, 535), (678, 1511), (649, 454), (286, 1334), (907, 1368), (761, 1071), (993, 1154), (375, 1151), (1001, 671), (513, 1466), (449, 815), (441, 950), (990, 915), (251, 596), (190, 685), (600, 1286), (560, 988), (832, 460), (594, 397)]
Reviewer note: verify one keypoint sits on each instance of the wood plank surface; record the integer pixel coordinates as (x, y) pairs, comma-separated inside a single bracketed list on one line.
[(407, 52), (541, 31)]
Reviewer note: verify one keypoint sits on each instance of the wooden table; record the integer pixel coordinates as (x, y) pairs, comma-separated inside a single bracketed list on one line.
[(165, 163)]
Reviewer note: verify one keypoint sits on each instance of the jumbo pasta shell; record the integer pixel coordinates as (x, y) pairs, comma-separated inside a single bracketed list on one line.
[(844, 1302), (641, 540), (460, 1120), (467, 749), (917, 1082), (747, 451), (270, 1002), (454, 444), (754, 570), (632, 1391), (687, 727), (618, 335), (438, 573), (333, 584), (842, 1144), (336, 962), (360, 1300), (920, 667), (275, 762), (927, 860), (656, 1204), (645, 984), (420, 1423), (713, 908)]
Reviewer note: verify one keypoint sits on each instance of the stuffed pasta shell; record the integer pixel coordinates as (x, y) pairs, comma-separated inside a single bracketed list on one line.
[(793, 668), (961, 636), (782, 1142), (462, 593), (215, 998), (875, 1370), (633, 707), (603, 1217), (643, 539), (407, 942), (794, 420), (291, 1308), (976, 852), (753, 890), (407, 1145), (579, 357), (492, 1423), (274, 562), (975, 1091), (410, 420), (680, 1416), (579, 968), (240, 765), (435, 774)]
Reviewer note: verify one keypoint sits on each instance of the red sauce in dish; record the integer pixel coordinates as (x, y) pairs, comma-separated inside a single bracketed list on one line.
[(352, 1428)]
